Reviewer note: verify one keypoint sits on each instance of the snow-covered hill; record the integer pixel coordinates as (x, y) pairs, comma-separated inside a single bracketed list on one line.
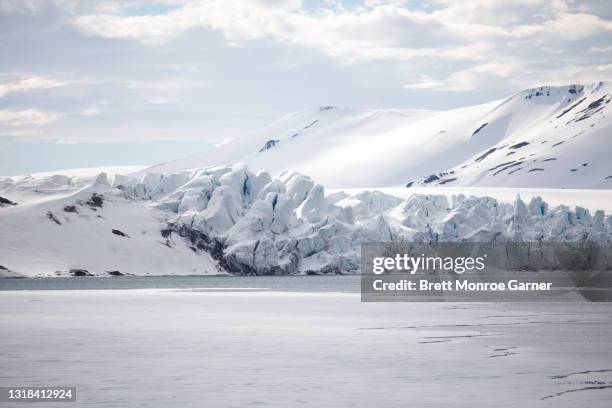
[(206, 214), (56, 226), (557, 137), (231, 220)]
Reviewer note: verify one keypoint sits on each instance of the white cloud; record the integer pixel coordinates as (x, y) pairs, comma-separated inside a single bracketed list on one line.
[(575, 26), (90, 112), (602, 49), (382, 31), (17, 6), (26, 83), (36, 6), (426, 82), (162, 101), (164, 84), (28, 117), (509, 75), (96, 108), (460, 46), (19, 133), (493, 75), (470, 30)]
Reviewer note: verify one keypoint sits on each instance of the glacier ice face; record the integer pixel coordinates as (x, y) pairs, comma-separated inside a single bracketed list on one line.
[(254, 224)]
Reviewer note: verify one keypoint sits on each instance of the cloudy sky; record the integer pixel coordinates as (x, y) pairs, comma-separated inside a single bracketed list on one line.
[(133, 82)]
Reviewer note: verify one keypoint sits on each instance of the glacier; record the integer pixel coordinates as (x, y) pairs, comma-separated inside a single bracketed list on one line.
[(288, 225), (232, 220)]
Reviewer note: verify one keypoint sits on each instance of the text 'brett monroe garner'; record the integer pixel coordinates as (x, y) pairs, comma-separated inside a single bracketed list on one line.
[(424, 285)]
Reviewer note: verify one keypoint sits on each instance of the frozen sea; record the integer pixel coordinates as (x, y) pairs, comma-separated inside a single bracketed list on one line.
[(295, 342)]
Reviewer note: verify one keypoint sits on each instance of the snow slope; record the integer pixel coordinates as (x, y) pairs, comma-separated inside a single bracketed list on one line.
[(93, 229), (231, 220), (44, 186), (556, 137)]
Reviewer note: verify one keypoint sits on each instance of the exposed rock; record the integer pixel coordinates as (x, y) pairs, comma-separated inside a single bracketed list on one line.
[(96, 201), (505, 167), (431, 178), (593, 108), (269, 144), (120, 233), (311, 124), (485, 154), (53, 218), (70, 209), (6, 201), (479, 129), (449, 180), (571, 107), (7, 273), (518, 145), (80, 272)]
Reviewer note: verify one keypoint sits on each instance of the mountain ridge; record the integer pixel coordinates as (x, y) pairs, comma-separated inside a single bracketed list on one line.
[(349, 148)]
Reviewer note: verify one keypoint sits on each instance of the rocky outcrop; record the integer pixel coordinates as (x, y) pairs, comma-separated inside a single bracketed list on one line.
[(7, 273), (5, 201)]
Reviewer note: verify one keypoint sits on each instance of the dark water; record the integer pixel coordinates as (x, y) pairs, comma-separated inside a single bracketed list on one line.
[(332, 283)]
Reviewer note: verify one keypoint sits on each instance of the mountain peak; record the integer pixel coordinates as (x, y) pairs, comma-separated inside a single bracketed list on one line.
[(563, 90)]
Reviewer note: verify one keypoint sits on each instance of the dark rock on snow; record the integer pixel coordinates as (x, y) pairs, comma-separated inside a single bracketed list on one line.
[(80, 272), (269, 144), (120, 233), (431, 178), (518, 145), (96, 201), (479, 129), (53, 218), (6, 201), (115, 273), (485, 154), (450, 180), (70, 209)]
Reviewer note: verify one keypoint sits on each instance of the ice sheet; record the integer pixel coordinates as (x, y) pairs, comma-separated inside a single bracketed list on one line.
[(161, 348)]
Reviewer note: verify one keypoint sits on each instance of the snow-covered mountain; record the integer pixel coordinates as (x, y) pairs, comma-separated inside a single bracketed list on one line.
[(206, 214), (557, 137), (231, 220)]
